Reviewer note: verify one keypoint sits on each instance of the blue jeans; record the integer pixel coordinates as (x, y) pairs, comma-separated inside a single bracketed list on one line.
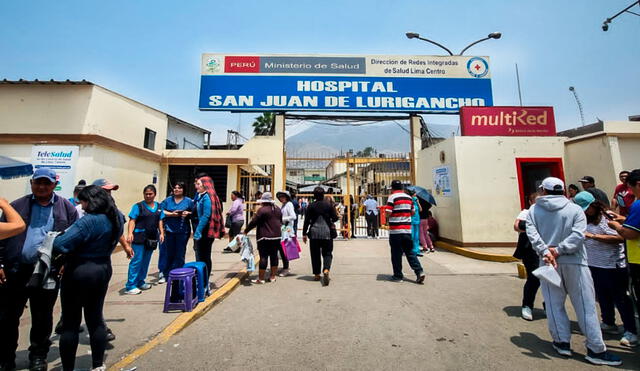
[(138, 266), (172, 252), (415, 237), (402, 243)]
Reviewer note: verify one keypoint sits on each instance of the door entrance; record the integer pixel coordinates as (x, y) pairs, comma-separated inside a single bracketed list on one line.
[(531, 172)]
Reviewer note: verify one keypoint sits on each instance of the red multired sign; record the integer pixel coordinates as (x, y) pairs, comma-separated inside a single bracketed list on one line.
[(241, 64), (507, 121)]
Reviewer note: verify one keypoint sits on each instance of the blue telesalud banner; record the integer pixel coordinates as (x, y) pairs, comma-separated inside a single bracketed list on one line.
[(427, 84)]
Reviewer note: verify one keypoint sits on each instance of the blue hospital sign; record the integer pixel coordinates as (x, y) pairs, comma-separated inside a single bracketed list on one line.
[(436, 84)]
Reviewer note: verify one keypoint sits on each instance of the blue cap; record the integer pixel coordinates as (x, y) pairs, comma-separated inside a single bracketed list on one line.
[(584, 199), (45, 172)]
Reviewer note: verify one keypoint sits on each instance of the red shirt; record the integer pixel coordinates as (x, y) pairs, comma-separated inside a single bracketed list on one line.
[(624, 194)]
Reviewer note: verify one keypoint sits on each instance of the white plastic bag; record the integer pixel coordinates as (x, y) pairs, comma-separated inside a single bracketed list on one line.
[(549, 274)]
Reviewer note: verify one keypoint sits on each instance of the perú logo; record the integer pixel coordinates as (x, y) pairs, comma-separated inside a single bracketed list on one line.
[(213, 65), (477, 67)]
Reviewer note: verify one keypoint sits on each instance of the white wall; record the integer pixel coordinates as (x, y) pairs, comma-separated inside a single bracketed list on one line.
[(177, 133)]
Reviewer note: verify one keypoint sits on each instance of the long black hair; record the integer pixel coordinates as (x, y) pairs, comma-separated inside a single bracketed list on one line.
[(600, 210), (100, 202)]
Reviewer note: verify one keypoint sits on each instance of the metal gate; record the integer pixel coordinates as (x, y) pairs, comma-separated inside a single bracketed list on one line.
[(348, 179)]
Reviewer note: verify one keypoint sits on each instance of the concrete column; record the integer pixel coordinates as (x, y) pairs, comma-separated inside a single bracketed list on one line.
[(279, 168), (416, 145)]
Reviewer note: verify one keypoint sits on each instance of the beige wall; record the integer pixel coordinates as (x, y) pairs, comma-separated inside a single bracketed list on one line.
[(124, 120), (591, 156), (40, 109), (630, 153), (448, 210), (130, 172), (488, 182), (259, 150)]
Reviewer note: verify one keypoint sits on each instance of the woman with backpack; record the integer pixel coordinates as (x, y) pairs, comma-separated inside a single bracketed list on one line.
[(145, 231), (319, 228)]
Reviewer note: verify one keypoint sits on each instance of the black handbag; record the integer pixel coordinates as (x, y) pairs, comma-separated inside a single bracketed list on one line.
[(228, 221), (150, 244)]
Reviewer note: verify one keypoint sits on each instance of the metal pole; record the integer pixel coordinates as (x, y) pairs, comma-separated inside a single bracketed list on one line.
[(518, 79), (347, 200), (575, 95)]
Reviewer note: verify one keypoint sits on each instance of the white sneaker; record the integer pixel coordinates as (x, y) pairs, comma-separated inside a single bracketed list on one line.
[(609, 329), (283, 273), (527, 314), (146, 286), (101, 368), (162, 280), (629, 340), (133, 291), (160, 275)]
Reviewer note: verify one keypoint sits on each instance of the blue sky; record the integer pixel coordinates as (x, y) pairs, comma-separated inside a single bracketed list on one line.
[(150, 50)]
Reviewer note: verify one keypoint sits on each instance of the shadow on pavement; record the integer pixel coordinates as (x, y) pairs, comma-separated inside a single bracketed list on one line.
[(514, 311), (534, 346), (305, 278)]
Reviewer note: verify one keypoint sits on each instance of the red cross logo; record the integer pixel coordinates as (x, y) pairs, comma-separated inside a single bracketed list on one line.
[(477, 67)]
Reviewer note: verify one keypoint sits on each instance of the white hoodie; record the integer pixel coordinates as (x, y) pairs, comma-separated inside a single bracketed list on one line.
[(555, 221)]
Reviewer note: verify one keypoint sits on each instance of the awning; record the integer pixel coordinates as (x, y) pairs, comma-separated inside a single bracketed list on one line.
[(10, 168)]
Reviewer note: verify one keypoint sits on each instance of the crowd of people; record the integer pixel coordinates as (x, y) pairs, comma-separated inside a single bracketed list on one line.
[(50, 245), (593, 242)]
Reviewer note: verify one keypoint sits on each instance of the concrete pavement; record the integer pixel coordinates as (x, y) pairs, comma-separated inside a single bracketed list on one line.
[(134, 319), (465, 317)]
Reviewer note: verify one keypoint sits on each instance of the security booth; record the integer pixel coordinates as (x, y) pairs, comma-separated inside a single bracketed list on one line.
[(481, 180)]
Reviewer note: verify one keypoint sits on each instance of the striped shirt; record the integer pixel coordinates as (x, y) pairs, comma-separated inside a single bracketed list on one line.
[(402, 210), (601, 254)]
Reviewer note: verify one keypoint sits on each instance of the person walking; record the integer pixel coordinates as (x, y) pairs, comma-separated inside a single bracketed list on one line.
[(629, 228), (589, 185), (371, 216), (530, 260), (236, 213), (13, 223), (177, 209), (318, 222), (622, 196), (88, 245), (415, 224), (399, 212), (425, 238), (297, 209), (606, 259), (145, 230), (43, 211), (209, 223), (268, 221), (555, 227), (288, 221)]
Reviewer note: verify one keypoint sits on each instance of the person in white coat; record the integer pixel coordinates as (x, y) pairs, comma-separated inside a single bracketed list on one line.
[(288, 220)]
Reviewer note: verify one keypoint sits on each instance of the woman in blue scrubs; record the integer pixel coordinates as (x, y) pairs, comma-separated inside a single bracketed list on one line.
[(145, 226), (176, 208)]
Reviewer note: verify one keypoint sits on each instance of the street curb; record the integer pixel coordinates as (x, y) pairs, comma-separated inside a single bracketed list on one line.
[(500, 258), (180, 323)]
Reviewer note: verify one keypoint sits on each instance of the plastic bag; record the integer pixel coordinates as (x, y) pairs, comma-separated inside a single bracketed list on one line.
[(548, 274)]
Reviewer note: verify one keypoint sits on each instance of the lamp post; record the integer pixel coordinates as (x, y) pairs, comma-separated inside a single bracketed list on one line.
[(493, 35), (605, 24)]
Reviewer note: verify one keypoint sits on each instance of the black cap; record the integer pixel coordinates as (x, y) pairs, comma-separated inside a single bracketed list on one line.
[(587, 179), (396, 184)]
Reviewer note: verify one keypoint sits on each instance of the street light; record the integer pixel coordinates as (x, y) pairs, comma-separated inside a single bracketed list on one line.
[(493, 35), (605, 24)]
